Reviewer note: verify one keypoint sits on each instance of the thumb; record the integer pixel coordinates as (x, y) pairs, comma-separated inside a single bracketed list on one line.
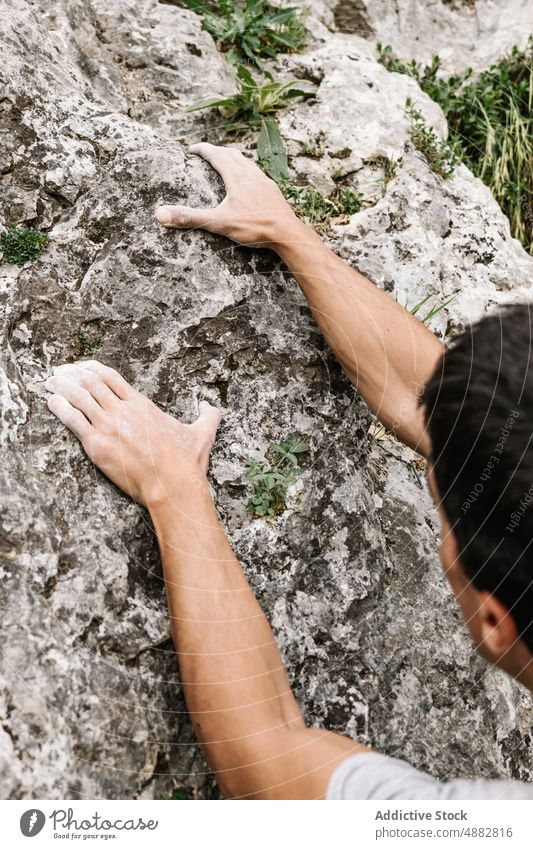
[(183, 217)]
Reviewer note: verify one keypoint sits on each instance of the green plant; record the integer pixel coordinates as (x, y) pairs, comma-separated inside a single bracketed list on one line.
[(84, 345), (22, 244), (318, 208), (178, 794), (390, 168), (270, 479), (314, 150), (490, 123), (251, 29), (253, 101), (441, 154), (254, 105), (434, 310)]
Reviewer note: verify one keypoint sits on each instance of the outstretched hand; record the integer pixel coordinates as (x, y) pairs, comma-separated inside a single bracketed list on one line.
[(254, 211), (143, 450)]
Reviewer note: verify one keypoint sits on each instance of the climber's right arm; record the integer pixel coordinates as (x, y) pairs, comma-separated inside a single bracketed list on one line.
[(384, 350)]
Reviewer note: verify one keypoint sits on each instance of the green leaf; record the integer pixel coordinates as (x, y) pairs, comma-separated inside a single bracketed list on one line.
[(299, 92), (194, 5), (210, 104), (281, 17), (271, 151), (244, 74)]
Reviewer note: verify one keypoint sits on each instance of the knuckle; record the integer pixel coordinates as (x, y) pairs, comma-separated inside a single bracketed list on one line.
[(88, 381), (107, 427), (111, 372), (80, 393), (101, 369)]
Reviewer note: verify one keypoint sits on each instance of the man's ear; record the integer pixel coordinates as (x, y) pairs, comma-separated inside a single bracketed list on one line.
[(499, 633)]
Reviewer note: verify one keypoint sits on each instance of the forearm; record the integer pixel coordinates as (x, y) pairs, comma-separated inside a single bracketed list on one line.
[(235, 685), (384, 350)]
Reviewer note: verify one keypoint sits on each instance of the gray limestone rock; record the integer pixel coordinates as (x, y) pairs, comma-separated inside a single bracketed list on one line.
[(92, 137), (464, 33)]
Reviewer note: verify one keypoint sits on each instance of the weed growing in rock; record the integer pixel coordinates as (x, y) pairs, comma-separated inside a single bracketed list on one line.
[(183, 794), (254, 105), (441, 154), (253, 101), (314, 150), (251, 30), (434, 310), (318, 208), (85, 345), (271, 479), (390, 169), (490, 121), (22, 244), (179, 794)]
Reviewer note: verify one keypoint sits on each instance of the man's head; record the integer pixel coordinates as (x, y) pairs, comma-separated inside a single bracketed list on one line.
[(479, 413)]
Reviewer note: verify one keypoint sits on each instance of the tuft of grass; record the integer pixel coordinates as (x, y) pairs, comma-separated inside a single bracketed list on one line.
[(270, 479), (390, 169), (318, 208), (23, 244), (490, 121), (85, 345), (377, 433), (314, 150), (434, 309), (251, 30), (441, 154), (255, 105)]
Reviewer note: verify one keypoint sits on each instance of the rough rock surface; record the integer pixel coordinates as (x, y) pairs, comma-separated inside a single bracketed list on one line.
[(464, 33), (90, 121)]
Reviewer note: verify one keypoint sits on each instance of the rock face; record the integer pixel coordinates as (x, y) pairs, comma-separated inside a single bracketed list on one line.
[(92, 128), (464, 33)]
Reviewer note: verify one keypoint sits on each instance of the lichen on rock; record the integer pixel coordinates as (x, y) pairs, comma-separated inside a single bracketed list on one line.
[(93, 136)]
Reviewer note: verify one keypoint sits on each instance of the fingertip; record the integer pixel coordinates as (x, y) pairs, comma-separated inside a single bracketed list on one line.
[(55, 403), (209, 410), (164, 215), (206, 405)]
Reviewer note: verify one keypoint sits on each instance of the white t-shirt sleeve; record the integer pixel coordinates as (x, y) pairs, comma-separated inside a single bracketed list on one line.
[(373, 776)]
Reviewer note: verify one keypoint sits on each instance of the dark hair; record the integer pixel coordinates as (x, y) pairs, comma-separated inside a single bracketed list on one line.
[(479, 414)]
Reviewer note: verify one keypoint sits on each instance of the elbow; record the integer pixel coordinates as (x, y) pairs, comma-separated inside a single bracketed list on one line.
[(252, 767)]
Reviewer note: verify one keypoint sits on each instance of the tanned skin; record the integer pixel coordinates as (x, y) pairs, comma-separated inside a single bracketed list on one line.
[(237, 691)]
